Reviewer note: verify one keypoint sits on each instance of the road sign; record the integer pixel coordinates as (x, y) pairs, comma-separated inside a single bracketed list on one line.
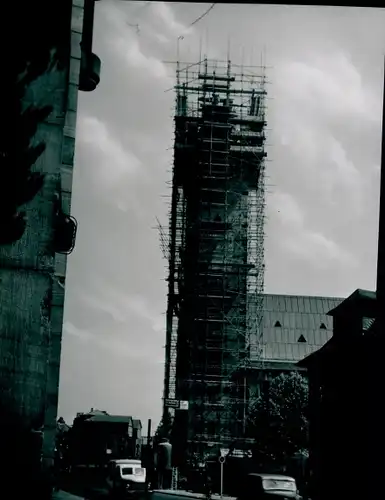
[(224, 452), (176, 404), (172, 403), (222, 460)]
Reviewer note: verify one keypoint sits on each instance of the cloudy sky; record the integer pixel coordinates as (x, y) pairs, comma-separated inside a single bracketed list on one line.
[(324, 121)]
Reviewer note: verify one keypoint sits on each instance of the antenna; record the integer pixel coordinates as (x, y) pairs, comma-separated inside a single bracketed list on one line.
[(180, 37), (264, 65), (228, 48)]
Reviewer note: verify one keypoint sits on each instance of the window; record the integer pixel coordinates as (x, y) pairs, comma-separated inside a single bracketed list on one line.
[(323, 326), (127, 471), (301, 339), (277, 324)]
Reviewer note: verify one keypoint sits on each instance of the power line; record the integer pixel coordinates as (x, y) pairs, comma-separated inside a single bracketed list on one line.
[(203, 15)]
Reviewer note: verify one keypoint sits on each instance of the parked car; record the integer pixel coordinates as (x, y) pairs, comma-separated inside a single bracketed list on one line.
[(269, 487), (126, 478)]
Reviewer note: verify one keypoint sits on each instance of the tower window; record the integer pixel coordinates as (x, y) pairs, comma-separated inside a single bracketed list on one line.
[(323, 326), (301, 339), (277, 324)]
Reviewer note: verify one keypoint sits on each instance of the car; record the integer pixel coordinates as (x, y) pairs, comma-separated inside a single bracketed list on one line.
[(259, 486), (126, 478)]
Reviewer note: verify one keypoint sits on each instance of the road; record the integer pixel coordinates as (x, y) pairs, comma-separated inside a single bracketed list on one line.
[(63, 495), (156, 495), (183, 495)]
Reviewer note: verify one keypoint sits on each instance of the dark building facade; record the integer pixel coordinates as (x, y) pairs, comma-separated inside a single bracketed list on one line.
[(98, 437), (341, 375), (137, 437), (48, 63)]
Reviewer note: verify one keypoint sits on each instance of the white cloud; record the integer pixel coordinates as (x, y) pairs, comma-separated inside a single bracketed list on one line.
[(328, 83), (166, 14), (135, 58), (105, 306), (118, 162), (84, 335), (302, 242), (125, 42), (121, 346), (288, 209), (344, 174), (312, 96), (316, 248), (115, 171), (123, 307)]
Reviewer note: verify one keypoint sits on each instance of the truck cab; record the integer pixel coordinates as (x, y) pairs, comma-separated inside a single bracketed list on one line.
[(126, 478)]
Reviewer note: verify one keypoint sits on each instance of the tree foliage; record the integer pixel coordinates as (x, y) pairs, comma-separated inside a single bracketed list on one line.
[(278, 419)]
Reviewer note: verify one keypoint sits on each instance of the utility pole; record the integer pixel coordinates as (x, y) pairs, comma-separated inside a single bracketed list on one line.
[(222, 460), (376, 438), (149, 431), (381, 228)]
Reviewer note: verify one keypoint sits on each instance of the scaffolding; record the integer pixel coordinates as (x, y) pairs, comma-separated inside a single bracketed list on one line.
[(215, 249)]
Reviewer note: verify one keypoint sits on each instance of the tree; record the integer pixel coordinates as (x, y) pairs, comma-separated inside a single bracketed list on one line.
[(164, 428), (278, 419)]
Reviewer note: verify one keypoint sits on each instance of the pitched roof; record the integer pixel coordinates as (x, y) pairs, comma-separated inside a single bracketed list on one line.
[(360, 302), (299, 316), (110, 419), (363, 302)]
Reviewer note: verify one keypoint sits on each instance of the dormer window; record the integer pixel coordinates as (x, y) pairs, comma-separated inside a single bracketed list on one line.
[(301, 339), (323, 326), (277, 324)]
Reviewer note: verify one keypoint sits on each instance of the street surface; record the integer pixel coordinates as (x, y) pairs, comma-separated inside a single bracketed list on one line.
[(155, 495), (182, 495), (63, 495)]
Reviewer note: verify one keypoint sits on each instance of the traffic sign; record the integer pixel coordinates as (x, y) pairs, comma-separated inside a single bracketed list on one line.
[(222, 460), (224, 452), (176, 404), (172, 403)]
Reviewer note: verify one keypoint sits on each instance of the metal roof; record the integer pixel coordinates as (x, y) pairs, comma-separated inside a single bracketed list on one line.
[(298, 315), (113, 419)]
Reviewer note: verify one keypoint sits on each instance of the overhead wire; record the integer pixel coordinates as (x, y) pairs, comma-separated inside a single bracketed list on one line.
[(203, 15)]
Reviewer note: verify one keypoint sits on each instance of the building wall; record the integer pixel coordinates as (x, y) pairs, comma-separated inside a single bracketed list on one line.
[(341, 381), (65, 167), (138, 440), (31, 295)]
